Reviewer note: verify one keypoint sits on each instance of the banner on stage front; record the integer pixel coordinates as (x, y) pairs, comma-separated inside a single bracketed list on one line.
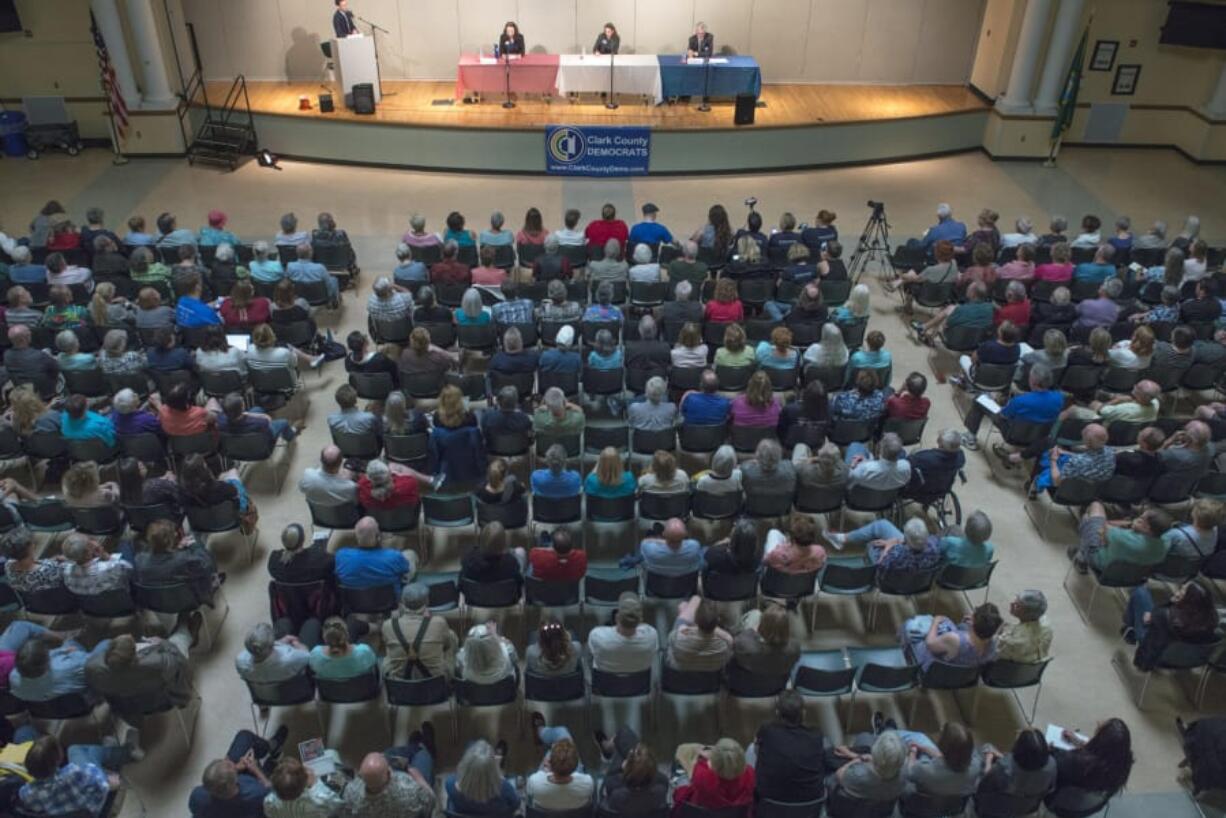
[(600, 151)]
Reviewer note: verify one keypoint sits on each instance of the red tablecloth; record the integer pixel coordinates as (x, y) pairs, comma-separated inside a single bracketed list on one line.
[(530, 74)]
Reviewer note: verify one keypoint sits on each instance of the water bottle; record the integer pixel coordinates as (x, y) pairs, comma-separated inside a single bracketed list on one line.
[(497, 52)]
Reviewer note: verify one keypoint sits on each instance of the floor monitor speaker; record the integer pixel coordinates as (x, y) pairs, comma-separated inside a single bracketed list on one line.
[(325, 104), (745, 108), (364, 98)]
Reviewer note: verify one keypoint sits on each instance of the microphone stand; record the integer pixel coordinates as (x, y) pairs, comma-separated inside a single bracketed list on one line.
[(612, 103), (506, 63), (375, 28), (706, 82)]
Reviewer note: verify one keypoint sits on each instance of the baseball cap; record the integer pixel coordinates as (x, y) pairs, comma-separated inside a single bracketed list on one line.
[(650, 208), (565, 336), (216, 218)]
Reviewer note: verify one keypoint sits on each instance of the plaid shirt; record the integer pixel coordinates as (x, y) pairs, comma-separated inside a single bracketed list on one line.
[(851, 405), (566, 311), (398, 305), (1162, 312), (97, 576), (519, 311), (1095, 467), (75, 788), (903, 557)]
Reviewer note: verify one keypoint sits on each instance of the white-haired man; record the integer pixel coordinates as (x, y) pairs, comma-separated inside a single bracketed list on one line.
[(914, 548), (389, 301), (947, 228)]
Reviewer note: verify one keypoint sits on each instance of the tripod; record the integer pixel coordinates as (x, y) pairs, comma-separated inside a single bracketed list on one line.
[(874, 245)]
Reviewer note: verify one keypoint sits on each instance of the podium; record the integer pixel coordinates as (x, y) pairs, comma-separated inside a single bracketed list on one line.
[(355, 64)]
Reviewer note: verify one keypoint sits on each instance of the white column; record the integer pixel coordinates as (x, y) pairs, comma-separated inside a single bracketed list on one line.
[(1059, 52), (149, 49), (1016, 99), (109, 24), (1216, 106)]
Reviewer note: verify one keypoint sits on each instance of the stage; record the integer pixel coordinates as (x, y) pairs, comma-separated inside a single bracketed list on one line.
[(422, 125)]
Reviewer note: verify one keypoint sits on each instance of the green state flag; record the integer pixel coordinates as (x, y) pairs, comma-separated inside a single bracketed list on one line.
[(1072, 85)]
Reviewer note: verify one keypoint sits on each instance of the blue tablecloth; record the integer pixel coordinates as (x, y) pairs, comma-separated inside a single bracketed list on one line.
[(739, 75)]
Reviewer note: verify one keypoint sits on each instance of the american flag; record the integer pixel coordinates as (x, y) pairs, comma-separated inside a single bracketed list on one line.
[(119, 108)]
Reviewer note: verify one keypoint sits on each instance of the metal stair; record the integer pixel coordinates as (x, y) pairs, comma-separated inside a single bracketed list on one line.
[(227, 133)]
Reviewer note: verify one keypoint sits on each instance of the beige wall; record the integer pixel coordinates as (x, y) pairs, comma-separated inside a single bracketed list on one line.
[(875, 41), (1002, 19)]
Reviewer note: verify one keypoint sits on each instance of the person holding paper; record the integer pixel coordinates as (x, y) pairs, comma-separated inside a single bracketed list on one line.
[(608, 41), (702, 42), (1101, 764), (342, 20), (1042, 404)]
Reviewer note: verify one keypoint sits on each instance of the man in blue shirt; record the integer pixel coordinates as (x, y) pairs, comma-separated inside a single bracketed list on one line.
[(708, 407), (561, 358), (1098, 270), (191, 309), (368, 565), (42, 673), (555, 481), (166, 355), (1042, 404), (235, 786), (648, 231), (305, 270), (669, 554), (23, 271), (946, 228)]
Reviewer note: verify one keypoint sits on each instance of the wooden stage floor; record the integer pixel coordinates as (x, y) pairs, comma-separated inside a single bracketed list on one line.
[(412, 103)]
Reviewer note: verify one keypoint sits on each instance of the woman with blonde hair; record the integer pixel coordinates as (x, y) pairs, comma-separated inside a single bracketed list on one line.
[(831, 350), (1096, 352), (478, 786), (472, 311), (338, 658), (856, 308), (83, 487), (29, 414), (452, 411), (690, 351), (501, 486), (719, 776), (764, 643), (1136, 352), (610, 478), (485, 658), (663, 476), (423, 356), (456, 447), (757, 406), (106, 310)]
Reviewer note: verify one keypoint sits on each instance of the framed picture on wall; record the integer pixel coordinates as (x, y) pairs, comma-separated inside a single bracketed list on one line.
[(1104, 55), (1126, 77)]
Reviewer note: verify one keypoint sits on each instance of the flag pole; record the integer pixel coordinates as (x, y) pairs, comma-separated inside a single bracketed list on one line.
[(1068, 98), (119, 158)]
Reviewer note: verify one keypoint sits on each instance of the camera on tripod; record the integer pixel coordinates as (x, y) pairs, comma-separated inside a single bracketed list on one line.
[(751, 202), (878, 207)]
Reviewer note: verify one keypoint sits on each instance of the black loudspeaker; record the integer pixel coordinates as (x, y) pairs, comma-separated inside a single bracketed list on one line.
[(745, 107), (364, 98), (9, 21), (325, 104)]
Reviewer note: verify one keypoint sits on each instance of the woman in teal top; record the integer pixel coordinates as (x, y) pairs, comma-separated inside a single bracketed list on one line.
[(605, 354), (455, 231), (337, 657), (875, 357), (262, 267), (777, 353), (609, 478), (472, 312)]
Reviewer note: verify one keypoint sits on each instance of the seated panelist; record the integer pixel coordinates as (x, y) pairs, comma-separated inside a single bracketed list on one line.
[(702, 42), (511, 41), (608, 41)]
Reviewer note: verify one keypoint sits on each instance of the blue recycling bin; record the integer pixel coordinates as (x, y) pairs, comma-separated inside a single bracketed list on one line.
[(13, 132)]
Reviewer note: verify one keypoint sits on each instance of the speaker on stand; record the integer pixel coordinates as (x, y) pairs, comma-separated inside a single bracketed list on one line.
[(364, 98)]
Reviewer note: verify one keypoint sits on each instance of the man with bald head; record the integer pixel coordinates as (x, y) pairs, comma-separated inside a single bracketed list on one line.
[(1094, 463), (1189, 451), (669, 552), (369, 565), (705, 406), (380, 791), (1139, 407), (27, 365), (330, 484)]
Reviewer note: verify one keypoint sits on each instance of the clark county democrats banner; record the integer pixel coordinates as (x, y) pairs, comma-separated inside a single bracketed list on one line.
[(599, 151)]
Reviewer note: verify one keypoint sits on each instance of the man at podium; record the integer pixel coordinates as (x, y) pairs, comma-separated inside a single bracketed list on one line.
[(342, 20)]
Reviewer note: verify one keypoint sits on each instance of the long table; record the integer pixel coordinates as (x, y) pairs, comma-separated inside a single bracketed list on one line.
[(658, 77), (530, 74)]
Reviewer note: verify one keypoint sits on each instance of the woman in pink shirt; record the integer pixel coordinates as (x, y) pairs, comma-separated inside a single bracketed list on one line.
[(982, 269), (417, 235), (1021, 268), (1060, 270), (487, 274), (533, 231), (796, 552), (725, 306), (758, 406)]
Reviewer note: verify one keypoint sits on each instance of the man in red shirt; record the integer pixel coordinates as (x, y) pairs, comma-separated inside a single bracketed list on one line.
[(450, 270), (559, 563), (909, 404), (608, 226), (1016, 307)]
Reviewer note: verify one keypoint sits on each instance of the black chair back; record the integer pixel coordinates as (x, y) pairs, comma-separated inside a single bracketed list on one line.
[(223, 516), (778, 585), (49, 601), (512, 515), (730, 587), (569, 688), (504, 593), (749, 685), (921, 805), (621, 685), (448, 510), (409, 449), (605, 591), (944, 676), (372, 385), (716, 506), (99, 521), (341, 517), (841, 805), (906, 582), (689, 682), (610, 509), (846, 579), (396, 520), (358, 446), (1074, 802), (1005, 805), (504, 691), (644, 441), (702, 438), (550, 594), (378, 600), (352, 690), (560, 510), (403, 692)]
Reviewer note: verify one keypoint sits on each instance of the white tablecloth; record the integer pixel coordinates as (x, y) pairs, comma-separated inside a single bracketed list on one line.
[(637, 74)]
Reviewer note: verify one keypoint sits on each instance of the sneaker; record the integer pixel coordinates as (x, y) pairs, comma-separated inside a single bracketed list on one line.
[(918, 326), (959, 381), (317, 361), (1130, 635), (969, 441), (837, 539)]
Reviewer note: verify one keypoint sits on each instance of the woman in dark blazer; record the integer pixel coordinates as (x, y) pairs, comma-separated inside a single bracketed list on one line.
[(608, 41), (511, 41)]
